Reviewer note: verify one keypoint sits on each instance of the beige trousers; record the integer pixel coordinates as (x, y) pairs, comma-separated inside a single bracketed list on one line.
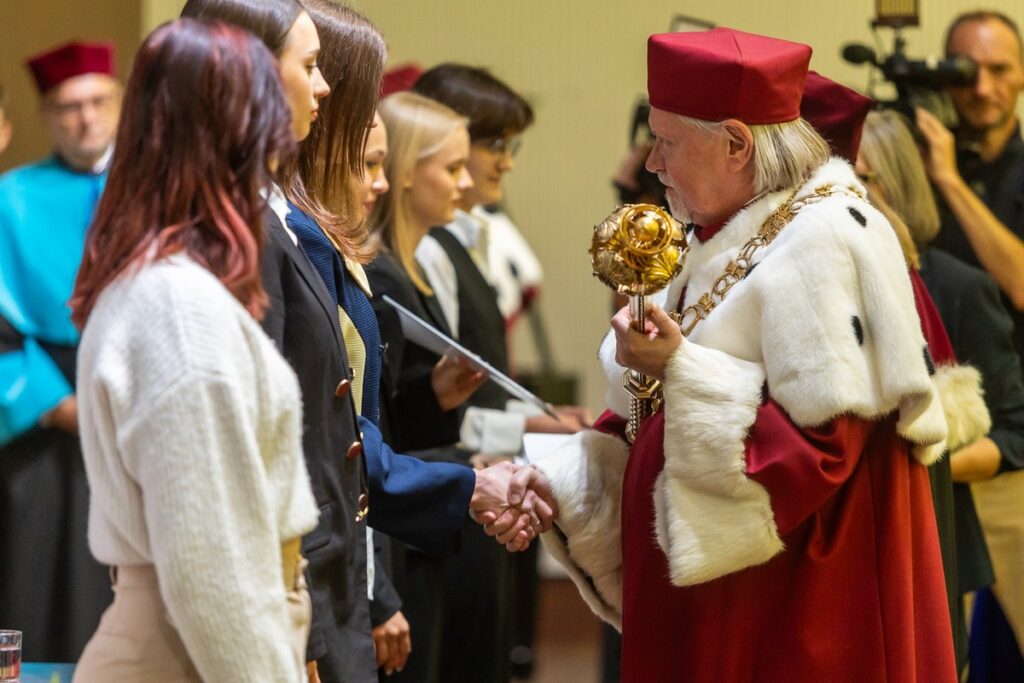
[(135, 642)]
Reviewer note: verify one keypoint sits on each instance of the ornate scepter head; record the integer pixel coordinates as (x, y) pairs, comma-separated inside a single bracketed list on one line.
[(637, 251)]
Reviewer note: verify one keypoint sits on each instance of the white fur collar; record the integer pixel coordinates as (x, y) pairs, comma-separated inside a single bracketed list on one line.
[(828, 311)]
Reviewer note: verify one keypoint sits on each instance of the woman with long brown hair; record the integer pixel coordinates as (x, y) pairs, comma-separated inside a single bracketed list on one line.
[(352, 61), (190, 417)]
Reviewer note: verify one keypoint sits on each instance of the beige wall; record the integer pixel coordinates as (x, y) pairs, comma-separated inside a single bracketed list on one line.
[(581, 63), (156, 12), (31, 26)]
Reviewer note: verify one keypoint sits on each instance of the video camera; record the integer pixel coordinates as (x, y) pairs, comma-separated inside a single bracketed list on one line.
[(918, 82)]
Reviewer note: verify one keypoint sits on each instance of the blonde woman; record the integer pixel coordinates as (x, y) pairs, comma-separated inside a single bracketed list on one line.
[(981, 333), (428, 147)]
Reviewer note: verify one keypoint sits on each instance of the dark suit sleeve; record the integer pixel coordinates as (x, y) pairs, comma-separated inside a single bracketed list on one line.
[(316, 646), (386, 600), (985, 338), (420, 503), (452, 454)]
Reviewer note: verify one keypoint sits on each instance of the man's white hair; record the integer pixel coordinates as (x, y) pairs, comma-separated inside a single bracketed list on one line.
[(785, 154)]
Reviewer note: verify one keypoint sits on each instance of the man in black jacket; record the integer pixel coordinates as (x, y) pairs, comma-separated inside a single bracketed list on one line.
[(978, 170)]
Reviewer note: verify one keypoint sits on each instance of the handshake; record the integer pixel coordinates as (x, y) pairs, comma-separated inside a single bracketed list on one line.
[(513, 503)]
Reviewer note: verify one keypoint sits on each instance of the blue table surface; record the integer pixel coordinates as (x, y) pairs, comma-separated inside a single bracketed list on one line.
[(35, 672)]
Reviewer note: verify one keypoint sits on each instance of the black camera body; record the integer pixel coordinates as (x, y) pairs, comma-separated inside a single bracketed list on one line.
[(918, 82)]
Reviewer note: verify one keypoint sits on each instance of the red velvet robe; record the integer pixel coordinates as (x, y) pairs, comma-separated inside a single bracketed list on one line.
[(858, 593)]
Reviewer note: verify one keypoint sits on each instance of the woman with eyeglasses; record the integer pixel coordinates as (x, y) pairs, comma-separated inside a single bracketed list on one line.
[(426, 168), (498, 117), (484, 275), (190, 417), (980, 331)]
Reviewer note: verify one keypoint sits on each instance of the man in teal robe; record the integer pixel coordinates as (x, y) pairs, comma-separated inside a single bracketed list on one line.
[(50, 586)]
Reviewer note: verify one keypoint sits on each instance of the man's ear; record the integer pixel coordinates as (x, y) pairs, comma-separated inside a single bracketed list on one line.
[(741, 143)]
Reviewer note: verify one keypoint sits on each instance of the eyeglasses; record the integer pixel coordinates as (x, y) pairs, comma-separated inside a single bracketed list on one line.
[(500, 146)]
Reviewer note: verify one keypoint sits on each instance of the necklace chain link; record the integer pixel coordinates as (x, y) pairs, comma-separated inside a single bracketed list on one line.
[(738, 267)]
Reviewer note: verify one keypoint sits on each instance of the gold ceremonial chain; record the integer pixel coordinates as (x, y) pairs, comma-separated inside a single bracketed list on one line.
[(738, 268)]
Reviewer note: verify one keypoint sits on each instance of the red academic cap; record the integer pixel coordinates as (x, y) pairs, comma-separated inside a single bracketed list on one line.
[(400, 78), (836, 112), (55, 66), (727, 74)]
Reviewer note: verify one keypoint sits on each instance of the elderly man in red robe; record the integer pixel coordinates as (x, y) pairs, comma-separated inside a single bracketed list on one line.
[(773, 521)]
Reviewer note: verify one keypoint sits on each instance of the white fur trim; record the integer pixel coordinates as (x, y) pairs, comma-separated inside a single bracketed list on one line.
[(827, 317), (837, 260), (586, 478), (963, 402), (711, 519)]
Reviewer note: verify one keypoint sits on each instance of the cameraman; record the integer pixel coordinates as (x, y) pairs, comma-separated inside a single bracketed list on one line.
[(979, 169), (979, 172)]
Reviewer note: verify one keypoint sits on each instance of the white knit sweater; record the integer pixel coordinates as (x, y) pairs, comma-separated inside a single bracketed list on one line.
[(191, 432)]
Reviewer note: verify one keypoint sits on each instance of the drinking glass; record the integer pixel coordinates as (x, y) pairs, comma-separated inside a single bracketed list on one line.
[(10, 656)]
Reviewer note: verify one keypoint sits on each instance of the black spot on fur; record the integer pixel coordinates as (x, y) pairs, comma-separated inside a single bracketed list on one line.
[(749, 270), (928, 362), (858, 216), (858, 329)]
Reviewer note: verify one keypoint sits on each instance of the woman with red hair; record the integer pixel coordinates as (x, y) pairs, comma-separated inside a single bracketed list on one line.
[(190, 417)]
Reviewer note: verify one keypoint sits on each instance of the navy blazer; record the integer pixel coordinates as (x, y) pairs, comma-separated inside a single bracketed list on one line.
[(420, 503)]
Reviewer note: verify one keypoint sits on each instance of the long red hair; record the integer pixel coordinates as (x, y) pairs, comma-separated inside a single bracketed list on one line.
[(204, 118)]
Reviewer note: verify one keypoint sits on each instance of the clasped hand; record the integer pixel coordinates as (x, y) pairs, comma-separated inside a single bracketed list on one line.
[(648, 351), (514, 503)]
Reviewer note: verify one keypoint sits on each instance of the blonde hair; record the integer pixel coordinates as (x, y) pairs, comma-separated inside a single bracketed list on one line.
[(417, 128), (889, 149), (911, 255), (785, 154)]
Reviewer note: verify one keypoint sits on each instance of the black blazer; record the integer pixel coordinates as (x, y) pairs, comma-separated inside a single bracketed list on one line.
[(481, 324), (302, 321), (411, 418), (981, 333)]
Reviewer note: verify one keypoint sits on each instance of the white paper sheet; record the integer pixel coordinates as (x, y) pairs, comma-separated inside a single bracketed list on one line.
[(422, 333), (536, 447)]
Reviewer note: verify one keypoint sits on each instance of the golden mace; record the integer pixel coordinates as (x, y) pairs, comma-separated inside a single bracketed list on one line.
[(637, 251)]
